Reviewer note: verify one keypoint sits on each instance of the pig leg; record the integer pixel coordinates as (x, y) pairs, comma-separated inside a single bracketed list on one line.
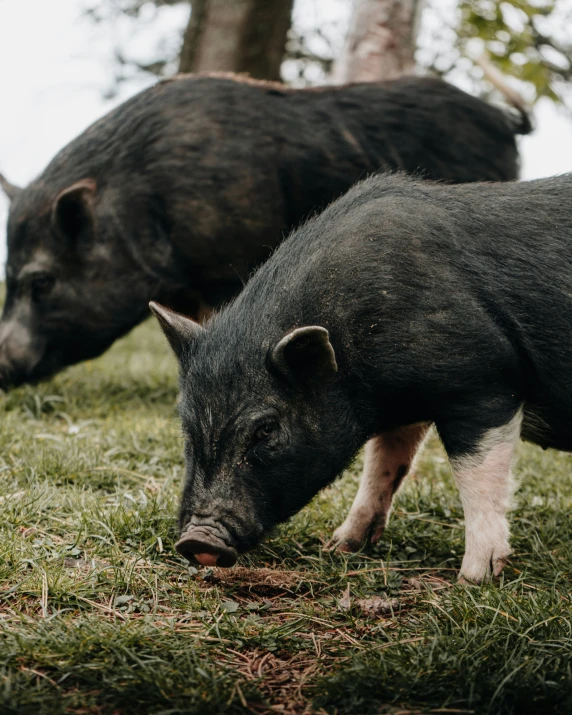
[(484, 479), (388, 459)]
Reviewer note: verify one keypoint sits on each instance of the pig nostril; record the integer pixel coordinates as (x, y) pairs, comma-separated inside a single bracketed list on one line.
[(207, 559), (206, 553), (189, 547)]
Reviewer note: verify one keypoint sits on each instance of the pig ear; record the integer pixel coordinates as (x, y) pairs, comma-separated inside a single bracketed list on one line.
[(72, 212), (9, 189), (306, 354), (179, 330)]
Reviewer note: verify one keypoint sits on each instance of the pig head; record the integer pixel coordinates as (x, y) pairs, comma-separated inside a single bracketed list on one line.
[(67, 299), (259, 443)]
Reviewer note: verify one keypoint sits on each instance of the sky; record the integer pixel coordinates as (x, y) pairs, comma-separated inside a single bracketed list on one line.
[(57, 68)]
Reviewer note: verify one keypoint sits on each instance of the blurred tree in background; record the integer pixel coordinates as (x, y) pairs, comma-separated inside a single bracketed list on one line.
[(242, 36), (529, 40), (380, 42), (254, 36)]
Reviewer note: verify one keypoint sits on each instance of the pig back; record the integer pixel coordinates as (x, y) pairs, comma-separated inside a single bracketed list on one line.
[(205, 175), (240, 163), (435, 287)]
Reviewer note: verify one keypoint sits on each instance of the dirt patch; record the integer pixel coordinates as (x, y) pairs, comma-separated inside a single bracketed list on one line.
[(260, 582), (282, 680)]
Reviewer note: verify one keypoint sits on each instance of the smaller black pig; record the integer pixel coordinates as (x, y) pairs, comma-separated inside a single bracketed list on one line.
[(405, 304)]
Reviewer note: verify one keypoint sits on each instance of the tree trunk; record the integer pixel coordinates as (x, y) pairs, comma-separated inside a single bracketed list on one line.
[(237, 36), (380, 43)]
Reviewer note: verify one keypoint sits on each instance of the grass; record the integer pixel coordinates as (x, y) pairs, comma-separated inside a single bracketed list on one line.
[(99, 615)]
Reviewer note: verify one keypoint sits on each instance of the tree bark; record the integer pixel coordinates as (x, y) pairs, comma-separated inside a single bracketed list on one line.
[(380, 43), (237, 36)]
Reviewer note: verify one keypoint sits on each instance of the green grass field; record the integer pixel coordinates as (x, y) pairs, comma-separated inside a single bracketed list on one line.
[(99, 614)]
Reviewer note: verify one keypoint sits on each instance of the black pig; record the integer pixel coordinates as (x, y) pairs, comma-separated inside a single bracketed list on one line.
[(405, 304), (180, 192)]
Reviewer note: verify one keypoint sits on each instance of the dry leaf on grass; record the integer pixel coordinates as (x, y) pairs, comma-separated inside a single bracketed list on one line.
[(70, 563), (414, 582), (345, 602), (378, 606)]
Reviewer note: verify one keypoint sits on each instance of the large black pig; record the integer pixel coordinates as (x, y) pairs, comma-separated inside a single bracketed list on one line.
[(405, 304), (180, 192)]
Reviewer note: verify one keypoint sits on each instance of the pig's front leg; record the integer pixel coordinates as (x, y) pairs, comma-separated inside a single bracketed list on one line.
[(483, 476), (388, 459)]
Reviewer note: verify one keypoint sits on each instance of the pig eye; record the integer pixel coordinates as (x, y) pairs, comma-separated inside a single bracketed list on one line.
[(42, 284), (265, 431)]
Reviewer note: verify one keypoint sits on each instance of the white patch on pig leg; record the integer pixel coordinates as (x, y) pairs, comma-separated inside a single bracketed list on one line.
[(485, 483), (388, 459)]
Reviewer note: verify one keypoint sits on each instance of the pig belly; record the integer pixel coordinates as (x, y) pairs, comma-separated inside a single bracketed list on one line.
[(548, 428)]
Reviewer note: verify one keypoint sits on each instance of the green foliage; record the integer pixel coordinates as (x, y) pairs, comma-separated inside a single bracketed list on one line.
[(525, 39)]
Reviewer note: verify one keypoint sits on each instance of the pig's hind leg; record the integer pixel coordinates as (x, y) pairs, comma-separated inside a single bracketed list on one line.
[(388, 459), (483, 475)]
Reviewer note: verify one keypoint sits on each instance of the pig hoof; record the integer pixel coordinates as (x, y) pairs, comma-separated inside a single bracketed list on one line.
[(499, 564), (476, 572), (349, 546), (346, 543), (464, 581)]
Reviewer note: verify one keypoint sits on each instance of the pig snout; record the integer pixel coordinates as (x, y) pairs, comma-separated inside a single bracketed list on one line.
[(19, 353), (203, 545)]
